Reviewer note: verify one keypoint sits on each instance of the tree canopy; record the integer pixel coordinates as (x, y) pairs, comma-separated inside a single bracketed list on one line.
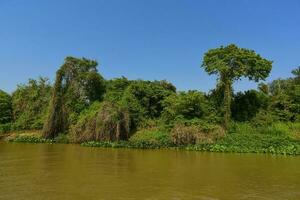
[(231, 63), (186, 105), (30, 103)]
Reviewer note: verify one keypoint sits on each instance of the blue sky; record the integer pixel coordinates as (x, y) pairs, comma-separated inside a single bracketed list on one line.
[(147, 39)]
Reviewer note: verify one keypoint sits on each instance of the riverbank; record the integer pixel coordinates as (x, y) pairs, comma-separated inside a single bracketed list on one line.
[(231, 142)]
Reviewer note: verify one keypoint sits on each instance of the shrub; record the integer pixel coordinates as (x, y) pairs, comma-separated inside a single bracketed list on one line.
[(115, 89), (247, 104), (144, 99), (185, 135), (263, 118), (186, 105), (110, 122), (242, 128), (275, 129), (151, 138), (5, 108), (286, 129), (62, 138), (294, 130), (5, 128), (30, 103)]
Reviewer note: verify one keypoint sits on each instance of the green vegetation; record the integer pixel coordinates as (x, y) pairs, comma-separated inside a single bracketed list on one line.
[(30, 139), (83, 107), (231, 63), (30, 102), (109, 122), (150, 139), (5, 108), (244, 138), (188, 105), (77, 84)]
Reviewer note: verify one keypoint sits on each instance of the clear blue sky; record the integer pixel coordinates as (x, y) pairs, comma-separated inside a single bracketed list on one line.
[(148, 39)]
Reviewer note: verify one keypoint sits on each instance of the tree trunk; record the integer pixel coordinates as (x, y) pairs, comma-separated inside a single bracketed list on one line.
[(226, 100)]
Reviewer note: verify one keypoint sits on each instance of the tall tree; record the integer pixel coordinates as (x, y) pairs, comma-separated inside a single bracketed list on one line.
[(77, 85), (231, 63)]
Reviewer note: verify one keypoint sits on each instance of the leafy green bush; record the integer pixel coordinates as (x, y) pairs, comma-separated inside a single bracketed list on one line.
[(247, 104), (5, 128), (186, 105), (150, 139), (263, 118), (5, 108), (30, 104), (62, 138), (144, 99), (278, 128), (294, 130), (275, 129), (242, 128), (115, 89)]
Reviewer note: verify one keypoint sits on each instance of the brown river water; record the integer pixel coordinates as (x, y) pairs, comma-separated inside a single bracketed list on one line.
[(45, 171)]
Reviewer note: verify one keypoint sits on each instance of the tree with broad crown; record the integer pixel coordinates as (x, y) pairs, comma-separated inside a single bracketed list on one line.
[(232, 63)]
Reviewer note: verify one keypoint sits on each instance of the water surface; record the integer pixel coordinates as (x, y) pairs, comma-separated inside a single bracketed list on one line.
[(44, 171)]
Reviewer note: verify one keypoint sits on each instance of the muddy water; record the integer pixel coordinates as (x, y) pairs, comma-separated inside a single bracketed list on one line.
[(42, 171)]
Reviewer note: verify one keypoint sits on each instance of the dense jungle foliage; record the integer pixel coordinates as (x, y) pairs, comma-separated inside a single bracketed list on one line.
[(81, 106)]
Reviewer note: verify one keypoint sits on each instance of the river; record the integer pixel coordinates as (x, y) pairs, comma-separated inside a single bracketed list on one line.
[(45, 171)]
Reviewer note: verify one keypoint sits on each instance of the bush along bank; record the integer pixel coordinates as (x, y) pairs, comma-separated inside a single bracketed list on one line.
[(278, 139), (255, 140)]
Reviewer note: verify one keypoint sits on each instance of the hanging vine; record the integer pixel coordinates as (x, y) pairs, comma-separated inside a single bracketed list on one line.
[(76, 86)]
